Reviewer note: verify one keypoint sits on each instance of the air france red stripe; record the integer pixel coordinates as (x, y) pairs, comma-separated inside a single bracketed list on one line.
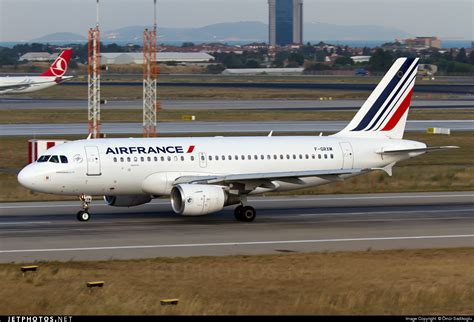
[(190, 149), (399, 113)]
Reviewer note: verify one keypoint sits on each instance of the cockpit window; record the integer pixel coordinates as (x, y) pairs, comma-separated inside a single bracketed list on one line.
[(43, 158), (63, 159), (54, 159)]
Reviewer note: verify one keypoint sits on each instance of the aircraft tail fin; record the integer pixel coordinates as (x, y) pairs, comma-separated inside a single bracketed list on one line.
[(59, 67), (385, 111)]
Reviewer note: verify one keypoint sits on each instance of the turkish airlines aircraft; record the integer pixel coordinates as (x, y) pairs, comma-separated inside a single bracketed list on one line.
[(27, 84), (203, 175)]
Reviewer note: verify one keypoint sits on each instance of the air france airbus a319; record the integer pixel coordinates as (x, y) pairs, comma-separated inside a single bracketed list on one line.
[(27, 84), (204, 175)]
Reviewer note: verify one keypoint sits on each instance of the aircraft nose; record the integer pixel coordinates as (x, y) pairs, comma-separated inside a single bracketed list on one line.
[(26, 177)]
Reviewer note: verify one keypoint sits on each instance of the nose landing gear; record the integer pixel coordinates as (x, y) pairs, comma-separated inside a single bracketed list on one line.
[(83, 215)]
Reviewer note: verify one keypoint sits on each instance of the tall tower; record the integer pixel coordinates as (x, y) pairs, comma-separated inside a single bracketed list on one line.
[(93, 80), (150, 73), (285, 22)]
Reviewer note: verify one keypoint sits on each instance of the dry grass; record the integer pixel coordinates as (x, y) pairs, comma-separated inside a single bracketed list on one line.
[(168, 92), (405, 282), (439, 171), (34, 116)]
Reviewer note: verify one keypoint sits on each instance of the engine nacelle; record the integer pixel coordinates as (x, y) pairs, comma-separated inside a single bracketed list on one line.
[(198, 199), (127, 200)]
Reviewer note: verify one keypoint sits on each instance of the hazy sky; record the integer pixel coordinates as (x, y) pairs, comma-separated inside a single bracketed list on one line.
[(29, 19)]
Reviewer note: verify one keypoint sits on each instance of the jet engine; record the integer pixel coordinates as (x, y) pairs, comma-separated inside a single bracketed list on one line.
[(199, 199), (127, 200)]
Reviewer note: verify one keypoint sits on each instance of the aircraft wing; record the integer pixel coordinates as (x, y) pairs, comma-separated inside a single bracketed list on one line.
[(427, 149), (247, 177)]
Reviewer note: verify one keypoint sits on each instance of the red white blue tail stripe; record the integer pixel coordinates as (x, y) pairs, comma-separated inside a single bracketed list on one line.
[(385, 110), (394, 99)]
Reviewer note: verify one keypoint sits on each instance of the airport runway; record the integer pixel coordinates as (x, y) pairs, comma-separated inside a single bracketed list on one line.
[(420, 88), (277, 104), (49, 231), (195, 127)]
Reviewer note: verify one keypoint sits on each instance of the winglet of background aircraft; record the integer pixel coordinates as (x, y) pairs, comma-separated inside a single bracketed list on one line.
[(59, 67)]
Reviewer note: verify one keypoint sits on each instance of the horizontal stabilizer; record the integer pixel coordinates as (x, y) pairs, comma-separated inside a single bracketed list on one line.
[(427, 149)]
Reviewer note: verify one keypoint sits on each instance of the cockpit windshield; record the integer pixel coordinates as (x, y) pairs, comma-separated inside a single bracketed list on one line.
[(53, 159), (43, 158)]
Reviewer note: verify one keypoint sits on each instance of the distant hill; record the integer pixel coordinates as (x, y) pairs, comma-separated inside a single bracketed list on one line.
[(60, 37), (236, 31), (230, 31), (324, 31)]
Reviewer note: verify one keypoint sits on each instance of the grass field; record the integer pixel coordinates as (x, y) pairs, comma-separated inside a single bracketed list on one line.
[(14, 116), (439, 171), (405, 282)]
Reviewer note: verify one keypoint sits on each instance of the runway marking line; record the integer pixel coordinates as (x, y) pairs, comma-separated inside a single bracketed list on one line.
[(25, 222), (308, 241)]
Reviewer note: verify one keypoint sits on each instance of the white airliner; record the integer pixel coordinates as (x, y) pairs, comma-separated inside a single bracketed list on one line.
[(27, 84), (203, 175)]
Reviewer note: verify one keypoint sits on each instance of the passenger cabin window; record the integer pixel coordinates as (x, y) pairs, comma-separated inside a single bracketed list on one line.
[(115, 159), (43, 158)]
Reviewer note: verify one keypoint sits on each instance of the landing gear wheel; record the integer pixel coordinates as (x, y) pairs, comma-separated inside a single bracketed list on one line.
[(238, 212), (247, 214), (83, 216)]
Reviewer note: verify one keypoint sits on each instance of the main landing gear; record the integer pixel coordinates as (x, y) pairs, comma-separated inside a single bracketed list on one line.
[(245, 213), (83, 214)]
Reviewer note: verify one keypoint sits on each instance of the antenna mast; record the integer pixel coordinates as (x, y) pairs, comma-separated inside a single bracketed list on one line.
[(150, 73), (94, 79)]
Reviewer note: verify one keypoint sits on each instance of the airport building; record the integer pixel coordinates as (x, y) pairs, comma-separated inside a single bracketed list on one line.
[(161, 57), (422, 43), (263, 71), (285, 22), (39, 56)]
